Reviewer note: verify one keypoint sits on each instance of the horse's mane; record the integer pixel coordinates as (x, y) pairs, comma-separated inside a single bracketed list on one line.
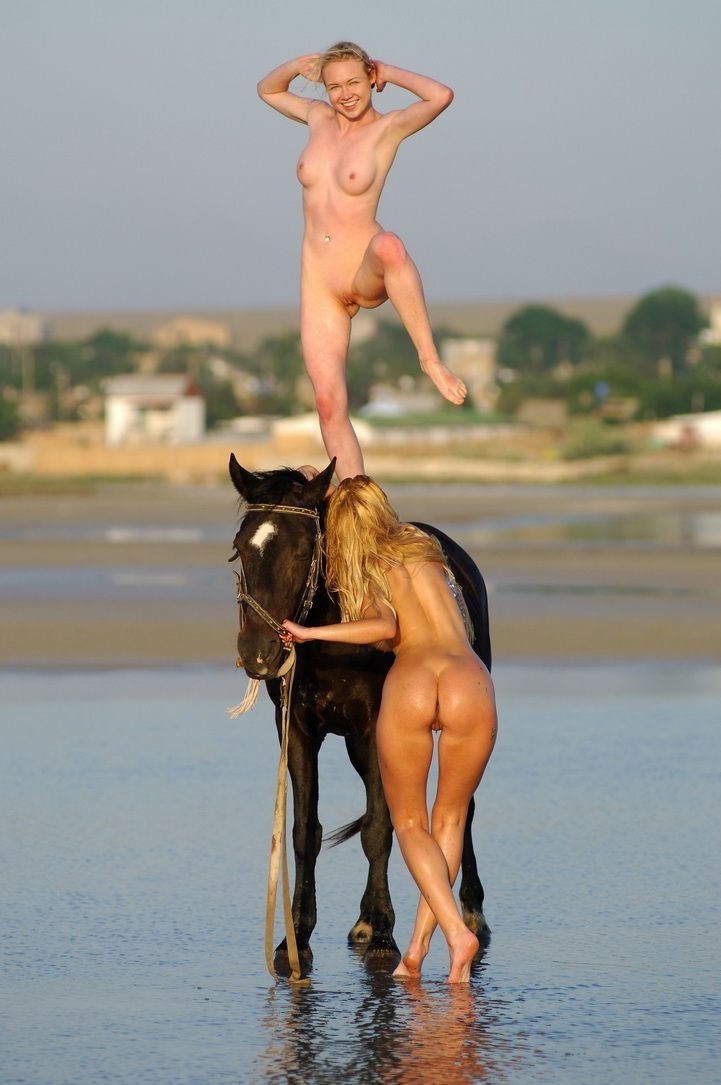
[(270, 486)]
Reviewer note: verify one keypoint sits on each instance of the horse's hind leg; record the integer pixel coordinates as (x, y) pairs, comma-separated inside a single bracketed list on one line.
[(374, 927), (471, 891)]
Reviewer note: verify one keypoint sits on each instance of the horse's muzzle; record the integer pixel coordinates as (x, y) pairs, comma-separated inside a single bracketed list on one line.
[(262, 662)]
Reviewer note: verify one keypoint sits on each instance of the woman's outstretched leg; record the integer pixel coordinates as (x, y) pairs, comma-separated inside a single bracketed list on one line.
[(387, 270)]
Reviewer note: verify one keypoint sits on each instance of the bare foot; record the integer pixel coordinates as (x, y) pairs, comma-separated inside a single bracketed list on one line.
[(448, 384), (403, 973), (462, 953), (407, 970), (308, 470), (412, 961), (310, 473)]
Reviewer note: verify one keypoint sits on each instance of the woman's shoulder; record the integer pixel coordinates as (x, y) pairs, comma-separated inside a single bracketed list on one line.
[(413, 567)]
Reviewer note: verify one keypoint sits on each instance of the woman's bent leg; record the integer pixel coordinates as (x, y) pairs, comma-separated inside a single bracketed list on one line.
[(325, 334), (388, 270), (405, 749)]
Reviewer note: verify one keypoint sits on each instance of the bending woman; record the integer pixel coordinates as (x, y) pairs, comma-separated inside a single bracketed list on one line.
[(348, 260), (394, 588)]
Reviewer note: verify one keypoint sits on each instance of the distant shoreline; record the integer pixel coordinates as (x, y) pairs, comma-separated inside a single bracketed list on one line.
[(484, 316), (670, 469)]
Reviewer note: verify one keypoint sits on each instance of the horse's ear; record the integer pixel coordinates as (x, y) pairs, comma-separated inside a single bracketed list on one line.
[(318, 486), (242, 480)]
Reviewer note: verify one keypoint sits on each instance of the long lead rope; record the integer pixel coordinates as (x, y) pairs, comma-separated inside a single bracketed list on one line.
[(278, 848)]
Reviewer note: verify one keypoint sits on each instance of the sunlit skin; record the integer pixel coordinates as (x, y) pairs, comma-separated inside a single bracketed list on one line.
[(348, 260), (436, 682)]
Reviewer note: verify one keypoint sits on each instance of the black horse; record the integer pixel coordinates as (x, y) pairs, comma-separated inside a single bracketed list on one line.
[(337, 689)]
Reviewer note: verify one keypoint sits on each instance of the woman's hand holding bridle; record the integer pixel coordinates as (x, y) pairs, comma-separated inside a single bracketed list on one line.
[(295, 633)]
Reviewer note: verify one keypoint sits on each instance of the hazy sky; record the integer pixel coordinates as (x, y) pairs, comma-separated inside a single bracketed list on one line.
[(582, 153)]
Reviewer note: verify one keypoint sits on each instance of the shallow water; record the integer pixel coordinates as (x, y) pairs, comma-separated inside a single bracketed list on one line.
[(134, 830), (658, 516)]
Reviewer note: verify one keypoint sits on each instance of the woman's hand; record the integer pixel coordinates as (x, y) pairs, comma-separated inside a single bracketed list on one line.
[(309, 67), (297, 633), (377, 75)]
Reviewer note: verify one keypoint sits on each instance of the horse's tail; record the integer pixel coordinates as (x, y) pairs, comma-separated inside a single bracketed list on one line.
[(339, 836)]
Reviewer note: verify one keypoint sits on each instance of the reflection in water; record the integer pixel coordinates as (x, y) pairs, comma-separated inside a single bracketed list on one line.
[(387, 1032)]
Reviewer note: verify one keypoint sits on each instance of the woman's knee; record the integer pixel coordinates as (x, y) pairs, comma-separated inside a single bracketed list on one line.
[(408, 823), (446, 817), (331, 404), (389, 249)]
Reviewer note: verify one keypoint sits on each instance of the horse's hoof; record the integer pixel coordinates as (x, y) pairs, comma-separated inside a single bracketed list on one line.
[(476, 922), (382, 945), (305, 953), (362, 932), (381, 964), (281, 963)]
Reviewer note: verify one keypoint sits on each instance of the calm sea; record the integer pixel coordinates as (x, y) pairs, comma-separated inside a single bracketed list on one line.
[(134, 830)]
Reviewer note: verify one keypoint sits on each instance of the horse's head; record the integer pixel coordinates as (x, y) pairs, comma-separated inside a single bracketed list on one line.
[(278, 548)]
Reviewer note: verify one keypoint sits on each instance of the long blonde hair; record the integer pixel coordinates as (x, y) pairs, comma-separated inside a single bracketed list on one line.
[(364, 538)]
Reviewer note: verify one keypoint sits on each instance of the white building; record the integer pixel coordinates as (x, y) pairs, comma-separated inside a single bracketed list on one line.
[(711, 336), (19, 328), (474, 361), (159, 409), (401, 399), (702, 430)]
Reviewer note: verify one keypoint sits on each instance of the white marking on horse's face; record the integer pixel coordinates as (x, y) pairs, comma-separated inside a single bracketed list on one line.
[(265, 532)]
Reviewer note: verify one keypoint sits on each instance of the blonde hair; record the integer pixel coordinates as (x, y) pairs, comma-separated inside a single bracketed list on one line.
[(364, 538), (346, 50)]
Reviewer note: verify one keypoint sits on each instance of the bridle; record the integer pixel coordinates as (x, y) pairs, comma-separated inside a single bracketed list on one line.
[(243, 596)]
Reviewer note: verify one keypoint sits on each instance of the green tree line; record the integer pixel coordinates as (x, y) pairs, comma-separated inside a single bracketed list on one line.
[(654, 360)]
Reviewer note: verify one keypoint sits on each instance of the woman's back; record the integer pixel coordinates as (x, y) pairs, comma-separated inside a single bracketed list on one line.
[(428, 616)]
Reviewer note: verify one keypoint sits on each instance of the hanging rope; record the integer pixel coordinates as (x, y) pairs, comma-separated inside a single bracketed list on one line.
[(278, 847)]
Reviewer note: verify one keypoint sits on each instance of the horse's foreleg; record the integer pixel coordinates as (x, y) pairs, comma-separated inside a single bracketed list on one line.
[(307, 832), (374, 926), (471, 891)]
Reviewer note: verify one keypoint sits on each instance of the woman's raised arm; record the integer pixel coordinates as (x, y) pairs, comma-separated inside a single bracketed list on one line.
[(273, 87), (434, 97)]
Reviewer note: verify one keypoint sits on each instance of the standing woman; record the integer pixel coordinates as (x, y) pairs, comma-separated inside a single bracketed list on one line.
[(394, 588), (348, 260)]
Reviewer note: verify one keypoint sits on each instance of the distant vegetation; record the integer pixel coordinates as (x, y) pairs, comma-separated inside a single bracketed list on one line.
[(9, 420), (654, 366), (588, 437), (654, 362)]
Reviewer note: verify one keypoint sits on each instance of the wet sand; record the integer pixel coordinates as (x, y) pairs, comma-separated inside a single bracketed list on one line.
[(573, 573)]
